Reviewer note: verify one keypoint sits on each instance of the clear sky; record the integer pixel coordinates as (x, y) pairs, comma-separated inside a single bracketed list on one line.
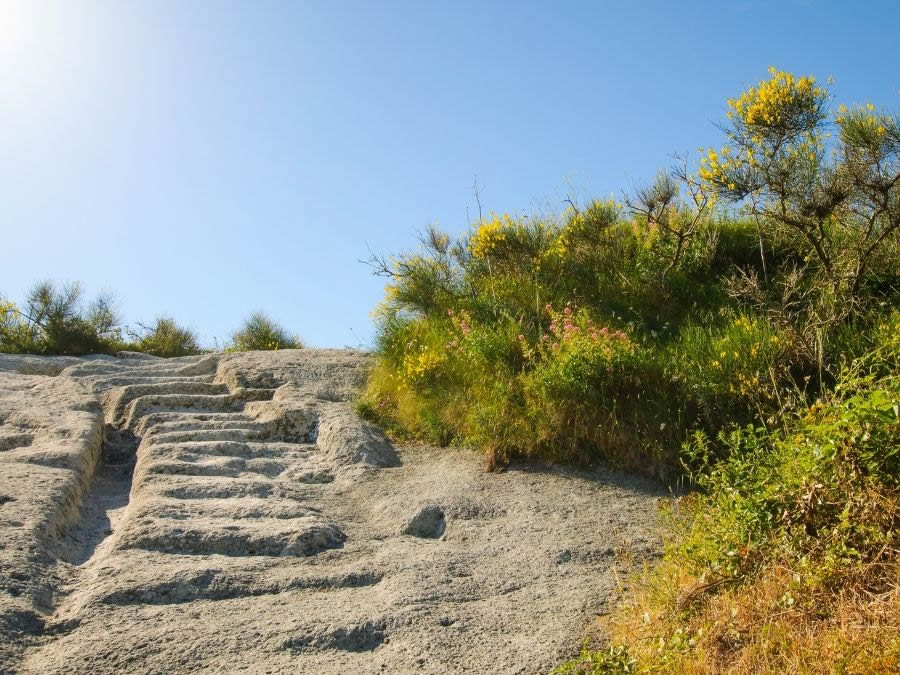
[(204, 159)]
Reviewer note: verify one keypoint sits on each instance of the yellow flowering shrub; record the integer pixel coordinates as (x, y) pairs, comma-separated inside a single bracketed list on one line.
[(489, 234), (865, 130), (775, 121), (777, 101), (418, 365), (583, 228)]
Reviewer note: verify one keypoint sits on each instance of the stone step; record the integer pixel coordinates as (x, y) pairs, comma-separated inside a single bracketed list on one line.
[(301, 536), (116, 400), (193, 465), (176, 421), (113, 381), (195, 403), (158, 448), (241, 509), (188, 489), (202, 433)]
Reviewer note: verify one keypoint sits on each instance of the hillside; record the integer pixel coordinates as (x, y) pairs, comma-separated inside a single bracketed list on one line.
[(230, 512)]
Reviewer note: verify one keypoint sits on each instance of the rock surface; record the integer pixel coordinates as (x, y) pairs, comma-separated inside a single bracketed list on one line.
[(230, 512)]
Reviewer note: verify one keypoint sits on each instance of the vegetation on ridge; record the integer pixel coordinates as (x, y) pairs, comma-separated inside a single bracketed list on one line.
[(56, 320), (734, 327), (259, 331), (164, 338)]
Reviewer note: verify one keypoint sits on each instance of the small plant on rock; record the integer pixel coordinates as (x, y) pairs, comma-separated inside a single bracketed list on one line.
[(165, 338), (260, 332)]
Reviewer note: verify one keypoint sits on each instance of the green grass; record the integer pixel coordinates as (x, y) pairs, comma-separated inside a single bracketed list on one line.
[(786, 561), (163, 338)]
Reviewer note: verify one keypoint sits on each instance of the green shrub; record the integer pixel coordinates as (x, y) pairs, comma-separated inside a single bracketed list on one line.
[(259, 332), (56, 321), (471, 349), (165, 338), (730, 318), (796, 534), (786, 558)]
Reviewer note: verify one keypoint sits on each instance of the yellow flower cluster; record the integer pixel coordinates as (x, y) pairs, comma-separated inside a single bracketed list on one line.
[(747, 385), (596, 216), (416, 366), (488, 235), (714, 166), (557, 249), (717, 167), (769, 103), (730, 347), (782, 101), (888, 334), (562, 242)]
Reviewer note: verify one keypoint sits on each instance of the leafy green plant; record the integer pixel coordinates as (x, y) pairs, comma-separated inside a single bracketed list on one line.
[(613, 660)]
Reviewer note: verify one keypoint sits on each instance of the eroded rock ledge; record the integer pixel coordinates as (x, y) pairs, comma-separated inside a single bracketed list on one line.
[(230, 512)]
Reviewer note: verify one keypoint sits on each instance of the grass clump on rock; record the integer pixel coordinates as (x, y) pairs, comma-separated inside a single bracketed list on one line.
[(260, 332), (165, 338), (56, 320)]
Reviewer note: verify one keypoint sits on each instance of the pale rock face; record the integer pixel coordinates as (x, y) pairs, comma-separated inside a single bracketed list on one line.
[(231, 512)]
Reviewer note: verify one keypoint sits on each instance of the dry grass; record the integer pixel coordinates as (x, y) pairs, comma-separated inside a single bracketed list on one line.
[(790, 616), (676, 622)]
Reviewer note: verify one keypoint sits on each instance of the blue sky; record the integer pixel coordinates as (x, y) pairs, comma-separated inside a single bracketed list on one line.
[(205, 159)]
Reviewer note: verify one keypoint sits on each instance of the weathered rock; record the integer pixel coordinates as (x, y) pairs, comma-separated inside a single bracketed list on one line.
[(50, 438), (235, 514), (429, 523), (348, 441)]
